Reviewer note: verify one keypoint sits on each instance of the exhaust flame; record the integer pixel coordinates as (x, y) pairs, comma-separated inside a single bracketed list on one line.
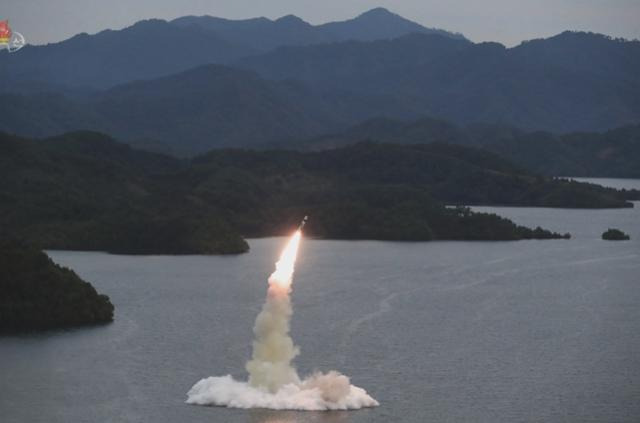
[(273, 381), (284, 267)]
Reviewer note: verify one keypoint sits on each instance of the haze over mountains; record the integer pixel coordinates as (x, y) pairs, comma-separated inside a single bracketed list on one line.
[(198, 83), (262, 34), (154, 47), (573, 81), (614, 153)]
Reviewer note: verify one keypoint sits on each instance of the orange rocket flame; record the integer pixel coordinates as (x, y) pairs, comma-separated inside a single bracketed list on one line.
[(285, 265)]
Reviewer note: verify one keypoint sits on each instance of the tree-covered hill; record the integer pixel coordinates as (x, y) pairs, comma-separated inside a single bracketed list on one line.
[(613, 153), (613, 234), (85, 191), (37, 294)]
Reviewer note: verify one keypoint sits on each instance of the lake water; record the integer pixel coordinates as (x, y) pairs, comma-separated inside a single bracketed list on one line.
[(526, 331)]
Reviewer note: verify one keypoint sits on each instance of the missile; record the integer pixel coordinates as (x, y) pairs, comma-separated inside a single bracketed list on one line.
[(304, 221)]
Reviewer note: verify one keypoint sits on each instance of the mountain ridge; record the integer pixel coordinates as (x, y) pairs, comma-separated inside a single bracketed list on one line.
[(550, 84), (574, 81), (611, 153), (154, 47), (191, 112)]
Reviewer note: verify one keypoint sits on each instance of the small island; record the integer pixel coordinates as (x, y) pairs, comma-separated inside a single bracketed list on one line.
[(37, 294), (612, 234)]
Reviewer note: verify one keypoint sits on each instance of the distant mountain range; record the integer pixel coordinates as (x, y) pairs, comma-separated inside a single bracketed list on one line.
[(211, 106), (153, 48), (573, 81), (613, 153), (198, 83), (214, 106), (262, 34)]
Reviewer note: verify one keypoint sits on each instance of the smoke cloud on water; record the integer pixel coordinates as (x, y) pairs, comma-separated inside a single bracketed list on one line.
[(273, 381)]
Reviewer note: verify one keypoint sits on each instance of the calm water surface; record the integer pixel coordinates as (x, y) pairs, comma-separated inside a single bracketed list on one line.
[(525, 331)]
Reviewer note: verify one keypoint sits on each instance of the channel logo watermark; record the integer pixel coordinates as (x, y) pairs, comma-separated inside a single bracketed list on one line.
[(10, 40)]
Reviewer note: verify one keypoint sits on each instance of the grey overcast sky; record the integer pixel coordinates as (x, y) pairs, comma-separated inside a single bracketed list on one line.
[(506, 21)]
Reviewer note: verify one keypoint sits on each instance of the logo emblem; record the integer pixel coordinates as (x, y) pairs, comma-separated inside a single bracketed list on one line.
[(11, 40)]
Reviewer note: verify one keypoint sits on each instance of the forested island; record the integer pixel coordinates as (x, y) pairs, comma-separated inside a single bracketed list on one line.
[(37, 294), (613, 234), (85, 191)]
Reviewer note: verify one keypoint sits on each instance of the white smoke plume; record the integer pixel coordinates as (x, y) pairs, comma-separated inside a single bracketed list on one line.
[(273, 381), (273, 348)]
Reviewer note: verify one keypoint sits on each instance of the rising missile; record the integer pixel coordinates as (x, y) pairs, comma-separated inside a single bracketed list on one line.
[(304, 220)]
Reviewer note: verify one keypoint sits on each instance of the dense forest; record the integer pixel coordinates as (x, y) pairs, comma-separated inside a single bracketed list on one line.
[(612, 153), (85, 191), (37, 294)]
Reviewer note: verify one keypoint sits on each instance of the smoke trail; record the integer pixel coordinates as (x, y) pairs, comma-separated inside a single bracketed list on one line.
[(273, 381), (273, 348)]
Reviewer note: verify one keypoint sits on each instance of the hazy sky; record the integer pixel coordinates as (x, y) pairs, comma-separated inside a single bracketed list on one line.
[(506, 21)]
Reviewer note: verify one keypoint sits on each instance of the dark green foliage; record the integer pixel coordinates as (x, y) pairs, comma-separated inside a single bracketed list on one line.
[(459, 175), (37, 294), (84, 191), (372, 191), (145, 233), (459, 223), (615, 235), (614, 153)]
